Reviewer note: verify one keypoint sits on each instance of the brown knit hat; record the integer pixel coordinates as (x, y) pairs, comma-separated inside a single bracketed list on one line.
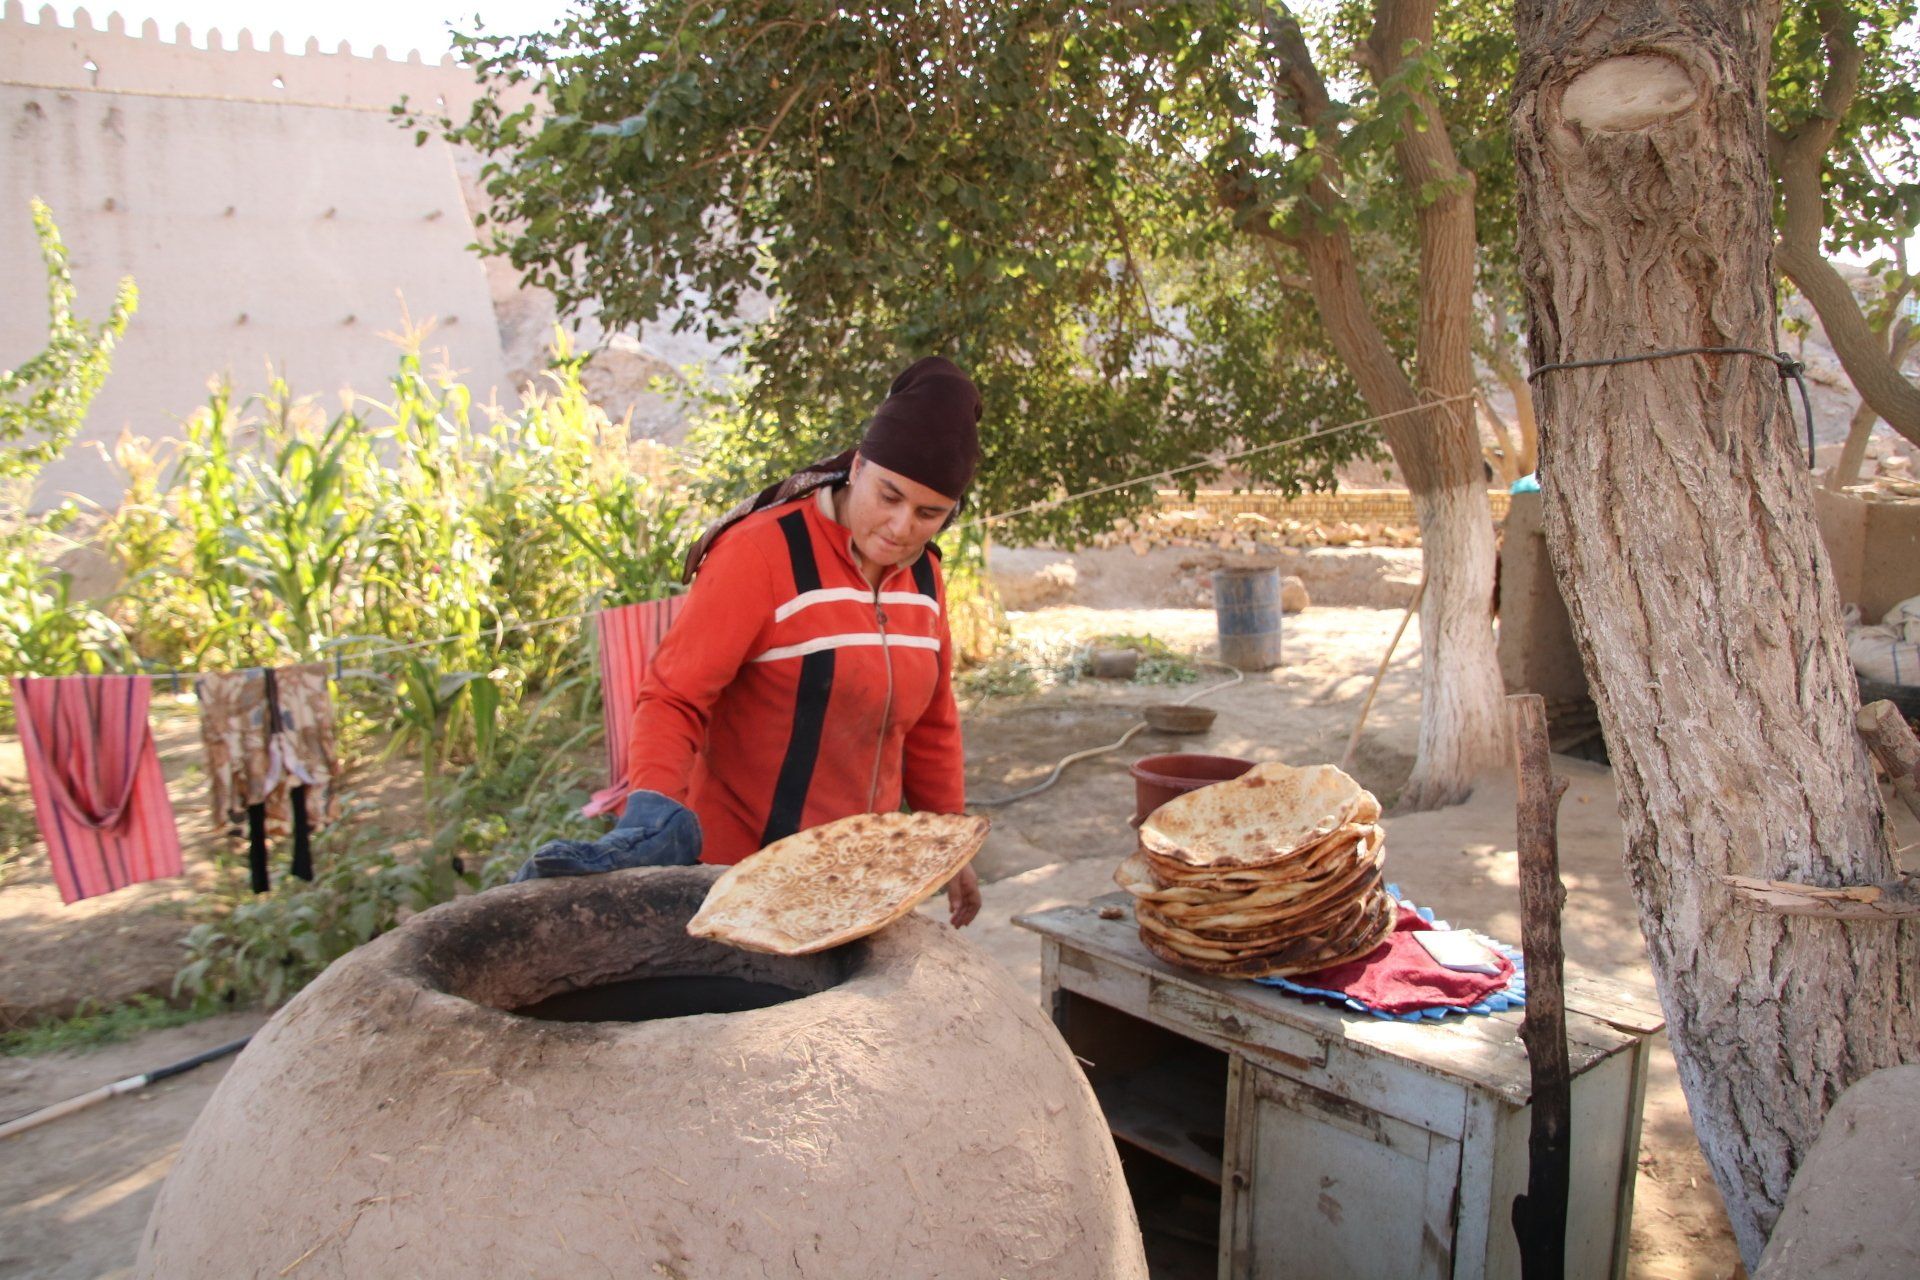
[(927, 428)]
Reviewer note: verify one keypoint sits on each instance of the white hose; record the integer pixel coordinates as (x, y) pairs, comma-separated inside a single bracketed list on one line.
[(1122, 741)]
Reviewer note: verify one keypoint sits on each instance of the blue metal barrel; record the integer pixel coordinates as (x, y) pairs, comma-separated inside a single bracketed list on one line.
[(1246, 603)]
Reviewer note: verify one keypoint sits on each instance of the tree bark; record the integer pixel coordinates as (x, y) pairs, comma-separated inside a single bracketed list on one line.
[(1540, 1213), (1462, 728), (1798, 156), (1678, 515)]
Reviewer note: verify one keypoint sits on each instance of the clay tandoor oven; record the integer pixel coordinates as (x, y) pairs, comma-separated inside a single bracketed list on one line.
[(658, 1105)]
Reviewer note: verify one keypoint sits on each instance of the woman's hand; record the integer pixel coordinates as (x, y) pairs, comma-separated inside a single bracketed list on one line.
[(963, 896)]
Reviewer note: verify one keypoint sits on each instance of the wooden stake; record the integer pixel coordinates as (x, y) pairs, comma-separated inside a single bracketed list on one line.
[(1540, 1214), (1892, 742), (1413, 606)]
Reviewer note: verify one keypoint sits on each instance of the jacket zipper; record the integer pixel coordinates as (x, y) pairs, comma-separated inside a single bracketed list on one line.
[(886, 707)]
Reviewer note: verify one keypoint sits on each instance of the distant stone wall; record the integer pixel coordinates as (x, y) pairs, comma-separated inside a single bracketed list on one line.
[(264, 201), (109, 58), (1353, 506)]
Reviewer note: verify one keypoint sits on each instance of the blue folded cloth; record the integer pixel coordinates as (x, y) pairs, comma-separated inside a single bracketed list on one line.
[(653, 831)]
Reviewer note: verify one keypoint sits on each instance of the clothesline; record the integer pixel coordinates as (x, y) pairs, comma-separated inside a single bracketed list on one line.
[(339, 650), (1051, 503)]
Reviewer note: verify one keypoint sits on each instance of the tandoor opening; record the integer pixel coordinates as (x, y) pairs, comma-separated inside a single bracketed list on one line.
[(612, 949), (646, 999)]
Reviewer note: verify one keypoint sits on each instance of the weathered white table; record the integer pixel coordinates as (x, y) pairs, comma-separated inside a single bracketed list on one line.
[(1346, 1146)]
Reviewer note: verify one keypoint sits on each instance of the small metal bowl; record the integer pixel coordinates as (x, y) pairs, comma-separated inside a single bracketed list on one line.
[(1172, 717)]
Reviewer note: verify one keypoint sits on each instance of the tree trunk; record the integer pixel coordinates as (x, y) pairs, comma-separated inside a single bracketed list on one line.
[(1678, 514), (1462, 718), (1500, 359), (1509, 468), (1853, 455)]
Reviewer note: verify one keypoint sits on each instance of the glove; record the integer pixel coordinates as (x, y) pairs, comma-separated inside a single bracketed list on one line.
[(653, 831)]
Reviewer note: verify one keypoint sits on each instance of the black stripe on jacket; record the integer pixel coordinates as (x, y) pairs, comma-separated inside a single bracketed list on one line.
[(810, 700)]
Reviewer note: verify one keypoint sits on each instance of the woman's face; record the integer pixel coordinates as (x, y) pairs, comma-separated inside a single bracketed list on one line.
[(891, 517)]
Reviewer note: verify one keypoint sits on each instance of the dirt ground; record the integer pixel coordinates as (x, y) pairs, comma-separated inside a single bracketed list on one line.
[(75, 1194), (73, 1197)]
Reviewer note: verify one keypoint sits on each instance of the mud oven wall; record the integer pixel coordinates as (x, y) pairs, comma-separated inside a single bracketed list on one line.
[(909, 1104)]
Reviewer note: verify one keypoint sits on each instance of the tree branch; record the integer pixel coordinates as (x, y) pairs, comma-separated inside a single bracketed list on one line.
[(1799, 156)]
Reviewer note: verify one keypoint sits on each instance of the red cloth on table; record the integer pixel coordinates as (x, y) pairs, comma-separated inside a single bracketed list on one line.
[(98, 795), (629, 635), (1398, 976)]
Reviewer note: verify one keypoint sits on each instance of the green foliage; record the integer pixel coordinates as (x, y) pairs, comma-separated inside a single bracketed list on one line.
[(44, 630), (1871, 176), (269, 947), (415, 541), (1050, 660), (997, 182), (17, 834), (495, 814), (95, 1026), (430, 703), (975, 618), (1159, 662), (290, 534), (44, 401)]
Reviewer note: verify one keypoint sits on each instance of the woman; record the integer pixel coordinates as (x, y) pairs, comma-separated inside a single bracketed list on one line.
[(809, 676)]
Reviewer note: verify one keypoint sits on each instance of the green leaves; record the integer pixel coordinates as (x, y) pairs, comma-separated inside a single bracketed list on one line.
[(44, 400), (1871, 178)]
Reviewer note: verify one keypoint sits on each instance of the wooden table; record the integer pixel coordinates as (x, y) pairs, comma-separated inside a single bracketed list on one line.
[(1345, 1145)]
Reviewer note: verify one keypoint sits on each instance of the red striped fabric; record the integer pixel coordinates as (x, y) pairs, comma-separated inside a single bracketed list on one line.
[(98, 794), (629, 636)]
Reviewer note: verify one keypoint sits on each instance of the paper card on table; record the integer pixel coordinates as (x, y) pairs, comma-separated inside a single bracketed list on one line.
[(1458, 950)]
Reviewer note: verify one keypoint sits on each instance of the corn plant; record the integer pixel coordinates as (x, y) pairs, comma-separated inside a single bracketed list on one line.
[(430, 703), (431, 567), (44, 631), (162, 615), (299, 542), (211, 497)]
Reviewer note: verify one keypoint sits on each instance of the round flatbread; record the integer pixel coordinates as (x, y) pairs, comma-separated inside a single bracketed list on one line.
[(830, 884), (1354, 884), (1315, 862), (1333, 921), (1141, 879), (1257, 819), (1373, 928)]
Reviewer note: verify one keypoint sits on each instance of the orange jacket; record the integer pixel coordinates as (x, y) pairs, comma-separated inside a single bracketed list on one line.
[(790, 692)]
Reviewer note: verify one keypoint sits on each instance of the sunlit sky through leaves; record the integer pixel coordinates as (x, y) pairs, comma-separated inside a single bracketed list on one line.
[(399, 25)]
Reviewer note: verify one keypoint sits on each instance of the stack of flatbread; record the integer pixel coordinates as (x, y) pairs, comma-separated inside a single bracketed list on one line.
[(1274, 872), (830, 884)]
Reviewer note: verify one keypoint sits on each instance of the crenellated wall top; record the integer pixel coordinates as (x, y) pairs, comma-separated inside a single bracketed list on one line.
[(44, 53)]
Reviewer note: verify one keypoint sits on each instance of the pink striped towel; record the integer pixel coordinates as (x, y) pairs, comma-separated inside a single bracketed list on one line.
[(629, 636), (98, 794)]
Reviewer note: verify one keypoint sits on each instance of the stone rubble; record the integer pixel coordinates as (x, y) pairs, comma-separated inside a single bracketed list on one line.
[(1247, 532)]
